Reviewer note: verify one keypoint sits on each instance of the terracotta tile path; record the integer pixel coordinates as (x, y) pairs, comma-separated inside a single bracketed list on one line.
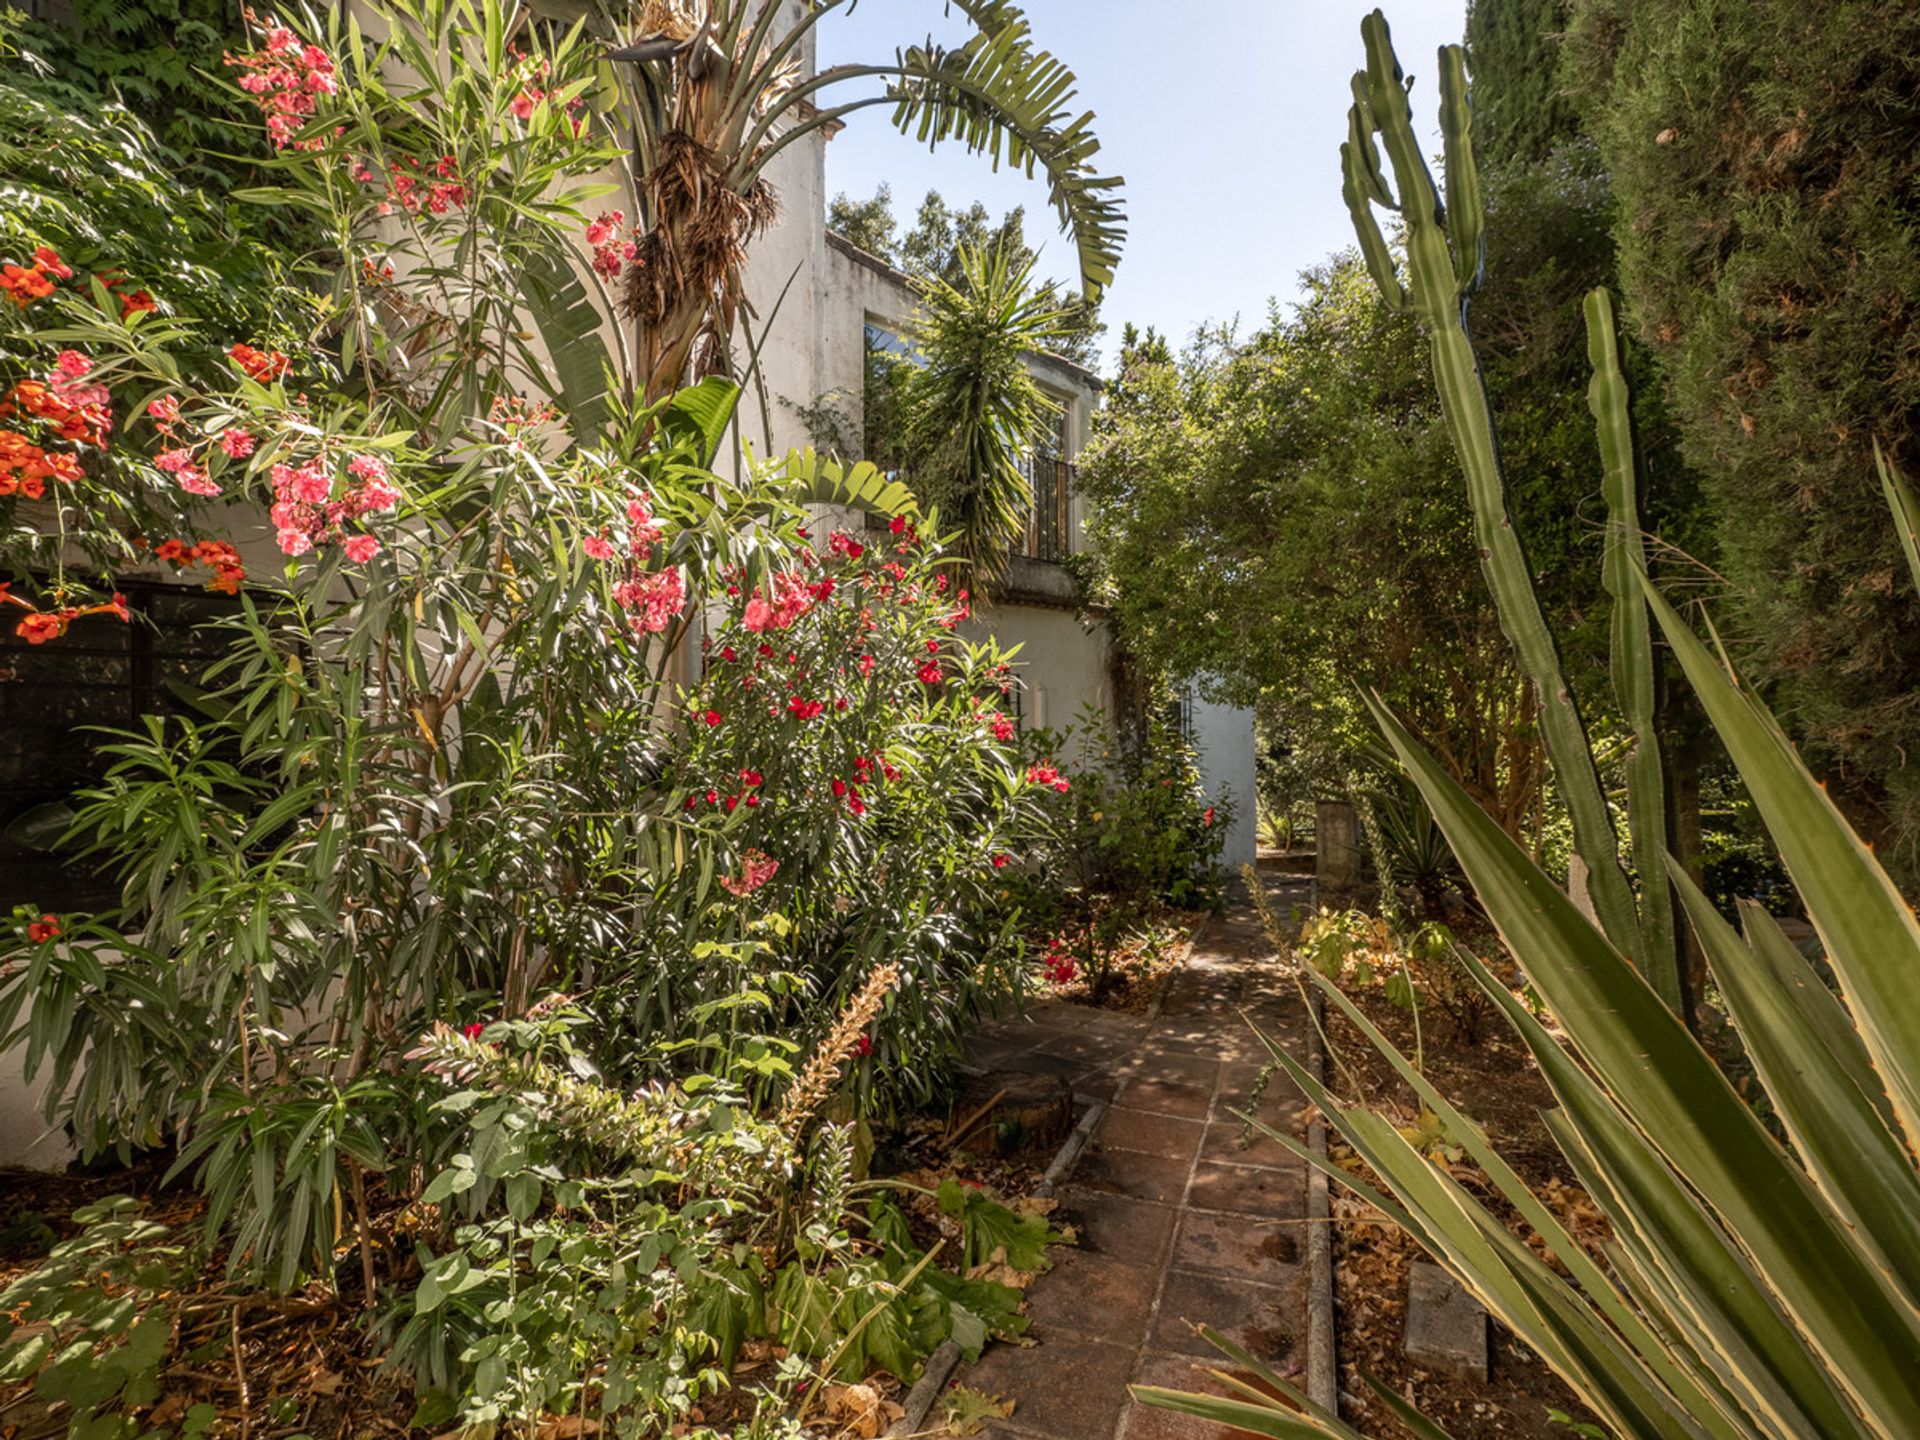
[(1178, 1223)]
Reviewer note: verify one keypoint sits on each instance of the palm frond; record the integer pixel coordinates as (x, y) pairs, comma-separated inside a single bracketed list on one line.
[(1001, 97)]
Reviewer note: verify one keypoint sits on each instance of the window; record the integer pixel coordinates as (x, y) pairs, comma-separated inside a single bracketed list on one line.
[(1050, 523), (101, 673)]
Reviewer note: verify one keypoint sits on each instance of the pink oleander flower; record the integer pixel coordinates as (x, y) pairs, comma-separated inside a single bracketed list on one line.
[(597, 547), (602, 228), (360, 548), (237, 443), (756, 870)]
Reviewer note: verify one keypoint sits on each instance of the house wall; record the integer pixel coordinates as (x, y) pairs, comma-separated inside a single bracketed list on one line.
[(1222, 736)]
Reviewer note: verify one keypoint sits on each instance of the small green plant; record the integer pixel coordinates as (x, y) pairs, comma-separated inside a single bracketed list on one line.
[(90, 1327)]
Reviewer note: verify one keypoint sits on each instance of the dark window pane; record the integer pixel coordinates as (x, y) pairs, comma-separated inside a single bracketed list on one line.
[(101, 673)]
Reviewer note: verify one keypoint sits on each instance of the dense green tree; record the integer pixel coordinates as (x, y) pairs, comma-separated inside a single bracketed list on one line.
[(868, 223), (1769, 251), (1519, 110), (935, 245), (1284, 521)]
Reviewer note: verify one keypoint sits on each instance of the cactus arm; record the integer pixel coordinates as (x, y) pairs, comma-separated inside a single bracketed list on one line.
[(1438, 298), (1632, 657), (1363, 187), (1466, 207)]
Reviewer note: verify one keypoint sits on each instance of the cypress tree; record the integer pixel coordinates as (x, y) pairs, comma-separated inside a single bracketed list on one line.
[(1768, 234)]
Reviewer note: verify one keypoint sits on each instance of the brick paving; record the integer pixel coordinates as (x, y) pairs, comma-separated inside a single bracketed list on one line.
[(1178, 1224)]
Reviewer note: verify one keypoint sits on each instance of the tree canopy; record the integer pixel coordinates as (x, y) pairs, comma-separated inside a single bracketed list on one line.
[(1768, 231)]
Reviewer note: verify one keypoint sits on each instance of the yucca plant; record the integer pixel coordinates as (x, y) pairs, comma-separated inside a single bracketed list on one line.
[(974, 410), (1752, 1288)]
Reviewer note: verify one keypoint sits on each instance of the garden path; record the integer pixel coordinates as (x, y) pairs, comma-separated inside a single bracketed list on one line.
[(1178, 1224)]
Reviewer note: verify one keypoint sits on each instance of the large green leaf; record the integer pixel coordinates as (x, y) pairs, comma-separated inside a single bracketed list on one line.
[(1857, 1162), (1003, 98), (1518, 1286), (1713, 1308), (1906, 510), (1449, 1224), (1678, 1098), (697, 417), (1870, 933), (1819, 1007), (1461, 1129), (569, 325)]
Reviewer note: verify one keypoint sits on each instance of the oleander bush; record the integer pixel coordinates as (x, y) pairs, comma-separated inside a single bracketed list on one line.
[(537, 754)]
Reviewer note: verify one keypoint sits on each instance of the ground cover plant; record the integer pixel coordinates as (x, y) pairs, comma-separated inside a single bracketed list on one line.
[(513, 974)]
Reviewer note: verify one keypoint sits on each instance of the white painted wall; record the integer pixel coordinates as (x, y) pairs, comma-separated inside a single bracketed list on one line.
[(1223, 737)]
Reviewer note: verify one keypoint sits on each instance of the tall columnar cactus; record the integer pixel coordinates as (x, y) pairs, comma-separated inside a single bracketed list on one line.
[(1444, 251), (1633, 672)]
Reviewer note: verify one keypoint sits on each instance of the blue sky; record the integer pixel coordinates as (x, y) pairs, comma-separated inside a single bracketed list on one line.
[(1224, 116)]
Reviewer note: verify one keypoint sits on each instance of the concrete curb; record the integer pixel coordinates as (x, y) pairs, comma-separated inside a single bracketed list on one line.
[(941, 1364)]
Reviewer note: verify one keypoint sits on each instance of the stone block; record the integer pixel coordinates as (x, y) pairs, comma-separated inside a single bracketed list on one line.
[(1446, 1326)]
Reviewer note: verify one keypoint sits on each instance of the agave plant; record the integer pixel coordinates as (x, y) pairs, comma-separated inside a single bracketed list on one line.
[(1752, 1288), (716, 90)]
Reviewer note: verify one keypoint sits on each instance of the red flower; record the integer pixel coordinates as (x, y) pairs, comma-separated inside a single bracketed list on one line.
[(929, 673), (43, 929), (264, 366), (863, 1046), (1207, 819), (1045, 774), (1000, 861), (712, 717), (839, 787), (473, 1031)]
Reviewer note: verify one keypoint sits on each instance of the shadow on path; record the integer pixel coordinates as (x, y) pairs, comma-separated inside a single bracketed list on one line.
[(1179, 1224)]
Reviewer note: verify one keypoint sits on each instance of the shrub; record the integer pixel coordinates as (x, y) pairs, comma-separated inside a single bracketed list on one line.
[(438, 769), (1762, 157), (1133, 822)]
